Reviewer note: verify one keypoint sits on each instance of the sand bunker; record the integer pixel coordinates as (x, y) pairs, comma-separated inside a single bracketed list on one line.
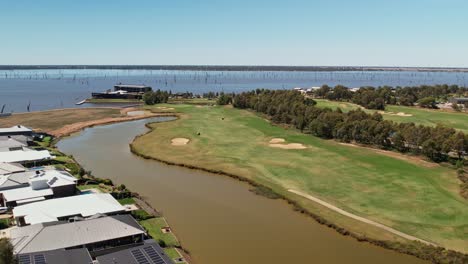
[(277, 140), (277, 143), (136, 113), (164, 108), (394, 114), (288, 146), (179, 141)]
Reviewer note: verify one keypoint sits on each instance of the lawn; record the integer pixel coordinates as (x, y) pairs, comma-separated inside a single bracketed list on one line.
[(407, 195), (154, 226), (105, 101), (55, 119), (126, 201), (416, 115)]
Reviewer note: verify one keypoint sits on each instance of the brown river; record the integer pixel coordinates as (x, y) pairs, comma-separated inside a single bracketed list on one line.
[(217, 218)]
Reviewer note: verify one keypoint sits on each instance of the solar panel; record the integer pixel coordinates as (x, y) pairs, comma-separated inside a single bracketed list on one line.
[(39, 259), (24, 259), (139, 257), (53, 180), (154, 255)]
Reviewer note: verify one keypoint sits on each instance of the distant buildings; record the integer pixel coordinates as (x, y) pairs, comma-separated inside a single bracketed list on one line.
[(130, 88), (124, 91), (456, 100)]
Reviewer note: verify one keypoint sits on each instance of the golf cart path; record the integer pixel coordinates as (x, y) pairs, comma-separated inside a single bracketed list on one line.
[(359, 218)]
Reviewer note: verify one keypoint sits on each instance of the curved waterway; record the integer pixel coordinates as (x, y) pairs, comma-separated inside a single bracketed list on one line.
[(217, 218)]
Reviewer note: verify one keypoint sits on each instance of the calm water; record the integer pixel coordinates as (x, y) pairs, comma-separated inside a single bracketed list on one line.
[(217, 218), (49, 89)]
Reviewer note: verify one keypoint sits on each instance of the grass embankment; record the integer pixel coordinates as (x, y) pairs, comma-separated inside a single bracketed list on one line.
[(55, 119), (407, 195), (104, 101), (421, 116), (193, 101)]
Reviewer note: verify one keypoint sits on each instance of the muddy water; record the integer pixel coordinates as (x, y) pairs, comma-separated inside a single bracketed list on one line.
[(217, 218)]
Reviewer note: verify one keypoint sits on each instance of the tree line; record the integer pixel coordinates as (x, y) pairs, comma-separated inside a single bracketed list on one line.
[(290, 107), (156, 97), (377, 97)]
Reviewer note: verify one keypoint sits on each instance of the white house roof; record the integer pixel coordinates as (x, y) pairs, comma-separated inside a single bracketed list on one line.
[(54, 178), (7, 168), (24, 155), (15, 129), (11, 143), (25, 193), (16, 179), (51, 210), (43, 237)]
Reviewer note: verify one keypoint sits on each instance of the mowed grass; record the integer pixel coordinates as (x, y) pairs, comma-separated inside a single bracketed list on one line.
[(419, 116), (55, 119), (421, 201)]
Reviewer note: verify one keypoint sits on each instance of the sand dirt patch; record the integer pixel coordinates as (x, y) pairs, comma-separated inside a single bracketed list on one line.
[(136, 113), (288, 146), (179, 141), (277, 140), (394, 114), (165, 108)]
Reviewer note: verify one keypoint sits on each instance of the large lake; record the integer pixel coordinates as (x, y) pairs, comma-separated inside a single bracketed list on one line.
[(49, 89), (217, 218)]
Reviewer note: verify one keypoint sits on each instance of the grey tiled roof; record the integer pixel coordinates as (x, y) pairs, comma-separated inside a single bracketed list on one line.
[(58, 235)]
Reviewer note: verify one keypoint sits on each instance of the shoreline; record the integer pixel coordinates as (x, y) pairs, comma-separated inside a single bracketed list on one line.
[(67, 130), (185, 253), (433, 253)]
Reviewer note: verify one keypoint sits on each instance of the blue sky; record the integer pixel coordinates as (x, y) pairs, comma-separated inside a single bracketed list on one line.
[(242, 32)]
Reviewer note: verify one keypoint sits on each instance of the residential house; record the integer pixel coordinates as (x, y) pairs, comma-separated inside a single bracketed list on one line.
[(25, 155), (42, 185), (16, 130), (67, 209), (150, 253), (58, 256), (99, 236)]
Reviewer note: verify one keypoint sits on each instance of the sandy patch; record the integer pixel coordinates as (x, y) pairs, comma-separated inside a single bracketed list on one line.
[(136, 113), (394, 114), (288, 146), (164, 108), (179, 141), (75, 127), (277, 140)]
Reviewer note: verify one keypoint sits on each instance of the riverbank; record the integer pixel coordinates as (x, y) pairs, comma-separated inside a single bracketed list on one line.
[(242, 156), (147, 216), (63, 122), (218, 218), (60, 123)]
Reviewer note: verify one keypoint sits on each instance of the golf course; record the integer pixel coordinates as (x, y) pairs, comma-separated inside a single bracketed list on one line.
[(397, 113), (408, 194)]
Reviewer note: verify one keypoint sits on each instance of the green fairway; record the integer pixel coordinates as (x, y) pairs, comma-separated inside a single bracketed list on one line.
[(416, 115), (418, 198)]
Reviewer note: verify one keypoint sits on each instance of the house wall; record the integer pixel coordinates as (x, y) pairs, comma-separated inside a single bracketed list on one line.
[(64, 191)]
